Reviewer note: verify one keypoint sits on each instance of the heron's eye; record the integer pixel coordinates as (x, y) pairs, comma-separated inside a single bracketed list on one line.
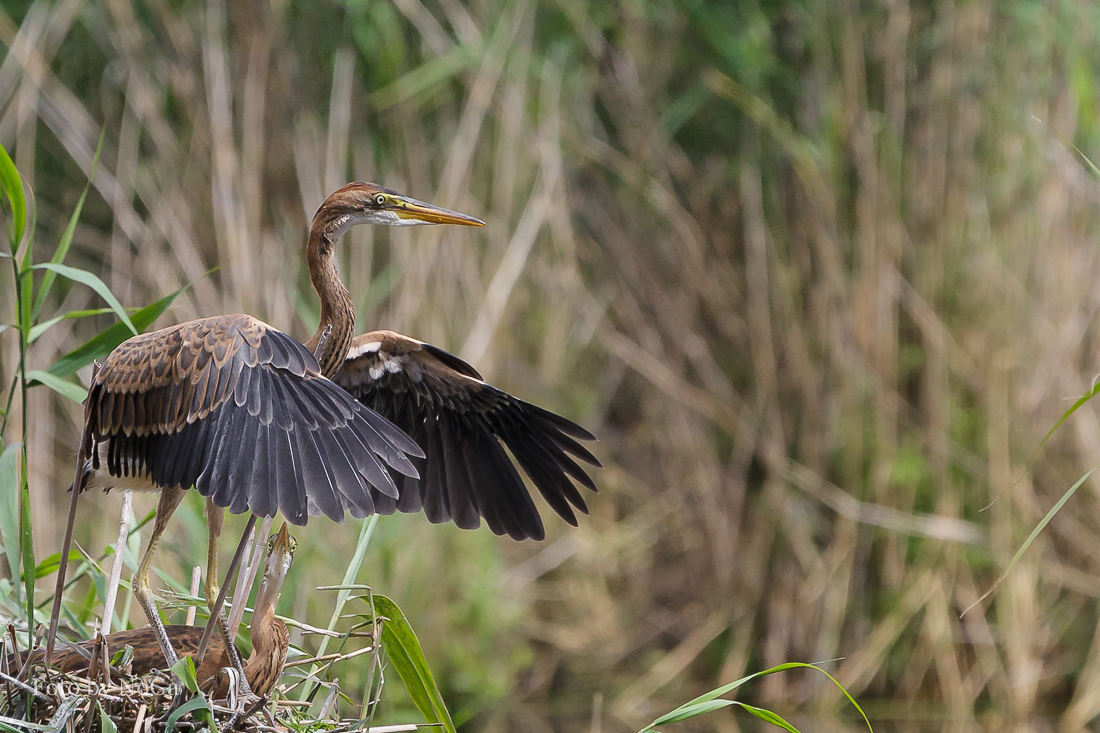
[(380, 199)]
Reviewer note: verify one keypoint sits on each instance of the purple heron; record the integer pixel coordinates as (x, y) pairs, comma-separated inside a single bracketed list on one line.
[(246, 414)]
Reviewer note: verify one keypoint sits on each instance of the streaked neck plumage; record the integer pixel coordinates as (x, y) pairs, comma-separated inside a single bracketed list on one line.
[(270, 640), (337, 309)]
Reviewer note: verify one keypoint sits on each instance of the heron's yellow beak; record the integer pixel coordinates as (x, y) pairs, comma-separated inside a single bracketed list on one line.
[(408, 208)]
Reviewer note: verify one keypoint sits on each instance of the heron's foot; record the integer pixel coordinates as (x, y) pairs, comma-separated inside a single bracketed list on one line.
[(244, 691), (178, 698), (243, 713), (246, 702)]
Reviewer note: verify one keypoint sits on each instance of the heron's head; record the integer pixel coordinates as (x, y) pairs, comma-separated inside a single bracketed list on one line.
[(280, 554), (369, 203)]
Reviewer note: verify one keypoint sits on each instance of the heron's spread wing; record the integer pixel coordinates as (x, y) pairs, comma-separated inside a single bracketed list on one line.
[(239, 410), (460, 422)]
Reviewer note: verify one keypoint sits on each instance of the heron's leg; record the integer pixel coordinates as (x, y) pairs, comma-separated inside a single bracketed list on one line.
[(169, 500), (215, 612), (215, 517)]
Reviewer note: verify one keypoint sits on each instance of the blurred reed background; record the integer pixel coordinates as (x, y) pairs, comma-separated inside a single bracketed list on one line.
[(820, 276)]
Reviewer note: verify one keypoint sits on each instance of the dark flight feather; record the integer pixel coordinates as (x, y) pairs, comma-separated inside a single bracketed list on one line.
[(252, 425), (463, 424)]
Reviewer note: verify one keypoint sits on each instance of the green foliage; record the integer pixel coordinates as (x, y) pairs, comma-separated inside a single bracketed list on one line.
[(710, 701), (403, 649), (74, 392), (105, 341), (14, 485), (199, 708), (66, 237), (106, 725), (184, 670), (92, 281), (12, 186), (9, 505)]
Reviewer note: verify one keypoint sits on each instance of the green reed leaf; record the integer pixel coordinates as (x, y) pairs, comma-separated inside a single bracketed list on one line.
[(67, 237), (74, 392), (12, 185), (184, 669), (407, 657), (106, 725), (712, 696), (770, 717), (41, 328), (92, 281), (102, 343), (196, 705), (9, 506)]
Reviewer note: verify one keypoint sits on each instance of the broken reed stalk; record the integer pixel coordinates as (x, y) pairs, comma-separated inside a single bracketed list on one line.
[(248, 577), (215, 612), (193, 590), (116, 566)]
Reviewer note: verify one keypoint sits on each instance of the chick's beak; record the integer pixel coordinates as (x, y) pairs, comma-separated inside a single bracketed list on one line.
[(281, 546), (407, 208)]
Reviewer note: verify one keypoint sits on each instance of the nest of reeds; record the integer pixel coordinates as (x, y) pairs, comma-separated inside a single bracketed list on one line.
[(106, 697), (56, 701), (48, 699), (61, 701)]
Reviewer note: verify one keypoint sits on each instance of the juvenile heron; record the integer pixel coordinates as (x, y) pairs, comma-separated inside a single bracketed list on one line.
[(270, 639)]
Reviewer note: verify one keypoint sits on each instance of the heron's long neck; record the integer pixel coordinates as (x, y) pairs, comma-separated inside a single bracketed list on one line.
[(337, 309), (270, 642)]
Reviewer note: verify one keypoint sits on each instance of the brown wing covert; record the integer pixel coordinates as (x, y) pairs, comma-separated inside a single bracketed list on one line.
[(239, 410)]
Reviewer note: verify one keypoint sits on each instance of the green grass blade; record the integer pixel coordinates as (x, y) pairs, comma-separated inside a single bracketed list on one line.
[(770, 717), (12, 184), (67, 237), (65, 711), (107, 339), (50, 565), (28, 249), (106, 725), (24, 725), (365, 535), (184, 669), (1066, 415), (403, 648), (729, 687), (92, 281), (27, 540), (9, 508), (41, 328), (195, 704), (719, 691), (74, 392), (691, 711), (1031, 538)]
